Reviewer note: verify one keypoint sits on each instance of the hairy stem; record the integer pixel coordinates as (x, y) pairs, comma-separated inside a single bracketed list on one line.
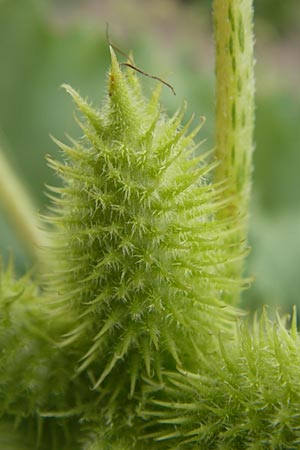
[(235, 109)]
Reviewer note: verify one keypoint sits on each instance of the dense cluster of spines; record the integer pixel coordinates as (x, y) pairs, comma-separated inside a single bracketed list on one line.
[(138, 252), (247, 398), (34, 373), (130, 343)]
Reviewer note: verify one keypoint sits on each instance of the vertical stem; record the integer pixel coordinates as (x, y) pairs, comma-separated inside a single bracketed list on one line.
[(20, 209), (235, 110)]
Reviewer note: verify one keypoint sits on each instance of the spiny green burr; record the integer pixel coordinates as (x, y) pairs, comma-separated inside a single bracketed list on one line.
[(138, 253)]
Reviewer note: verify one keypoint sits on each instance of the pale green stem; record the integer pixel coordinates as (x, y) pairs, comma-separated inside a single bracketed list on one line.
[(20, 209), (235, 109)]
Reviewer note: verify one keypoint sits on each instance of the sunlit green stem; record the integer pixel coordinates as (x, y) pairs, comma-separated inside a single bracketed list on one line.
[(235, 109), (20, 209)]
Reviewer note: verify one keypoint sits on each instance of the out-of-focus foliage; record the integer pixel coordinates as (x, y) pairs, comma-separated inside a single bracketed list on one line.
[(38, 53), (36, 58), (282, 17)]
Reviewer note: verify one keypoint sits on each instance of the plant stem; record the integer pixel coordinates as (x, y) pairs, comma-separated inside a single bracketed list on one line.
[(235, 110), (20, 209)]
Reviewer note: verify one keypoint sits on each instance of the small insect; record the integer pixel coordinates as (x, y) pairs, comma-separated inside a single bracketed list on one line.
[(132, 66)]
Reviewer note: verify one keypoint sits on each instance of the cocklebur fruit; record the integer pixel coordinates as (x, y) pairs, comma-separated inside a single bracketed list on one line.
[(138, 256), (34, 372), (247, 398)]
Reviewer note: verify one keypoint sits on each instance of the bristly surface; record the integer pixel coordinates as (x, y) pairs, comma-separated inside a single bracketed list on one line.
[(246, 398), (34, 373), (138, 260), (134, 304)]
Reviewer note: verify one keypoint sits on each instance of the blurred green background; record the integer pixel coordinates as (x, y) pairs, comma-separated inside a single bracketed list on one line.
[(46, 43)]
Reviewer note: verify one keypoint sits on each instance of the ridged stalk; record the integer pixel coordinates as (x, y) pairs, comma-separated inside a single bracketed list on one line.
[(235, 111)]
